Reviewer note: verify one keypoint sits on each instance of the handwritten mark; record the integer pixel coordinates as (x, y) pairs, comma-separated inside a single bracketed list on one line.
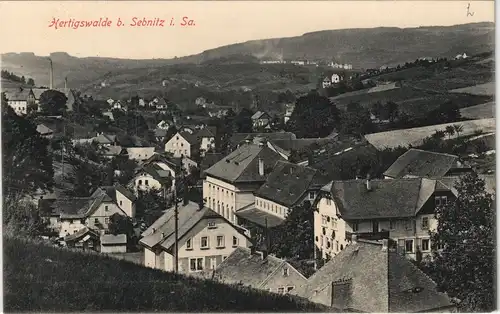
[(469, 13)]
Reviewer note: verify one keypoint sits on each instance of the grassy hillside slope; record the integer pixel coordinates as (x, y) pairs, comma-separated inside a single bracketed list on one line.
[(42, 278)]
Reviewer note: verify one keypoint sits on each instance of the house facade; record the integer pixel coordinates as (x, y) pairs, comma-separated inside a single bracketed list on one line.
[(20, 99), (113, 243), (260, 119), (70, 215), (205, 240), (181, 144), (401, 210), (230, 183), (327, 82)]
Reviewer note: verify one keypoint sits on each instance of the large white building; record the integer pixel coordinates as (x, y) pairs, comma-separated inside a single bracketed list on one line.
[(230, 183), (400, 209)]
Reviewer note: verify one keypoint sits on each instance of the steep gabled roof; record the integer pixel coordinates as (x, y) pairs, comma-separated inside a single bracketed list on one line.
[(380, 281), (397, 198), (242, 266), (80, 234), (106, 138), (242, 165), (162, 232), (259, 115), (288, 182), (421, 163)]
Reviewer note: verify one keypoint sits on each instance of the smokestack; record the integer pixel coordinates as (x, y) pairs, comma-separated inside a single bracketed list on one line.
[(368, 183), (51, 75), (261, 167), (385, 245)]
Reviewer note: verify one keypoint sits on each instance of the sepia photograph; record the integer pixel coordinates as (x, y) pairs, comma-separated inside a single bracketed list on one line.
[(248, 156)]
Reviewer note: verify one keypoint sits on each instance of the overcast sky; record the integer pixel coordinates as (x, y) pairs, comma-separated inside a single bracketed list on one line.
[(24, 26)]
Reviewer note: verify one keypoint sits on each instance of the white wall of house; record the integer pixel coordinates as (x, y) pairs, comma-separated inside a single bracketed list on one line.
[(140, 153), (118, 248), (271, 207), (207, 143), (70, 226), (125, 204), (20, 106), (335, 78), (144, 181), (178, 146), (100, 218), (329, 230), (222, 239)]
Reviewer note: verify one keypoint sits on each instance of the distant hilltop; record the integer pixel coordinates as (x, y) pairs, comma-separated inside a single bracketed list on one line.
[(362, 48)]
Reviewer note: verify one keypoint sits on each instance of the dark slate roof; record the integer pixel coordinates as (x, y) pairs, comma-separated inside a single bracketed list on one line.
[(175, 163), (209, 160), (111, 192), (208, 131), (300, 144), (242, 266), (421, 163), (66, 206), (260, 217), (394, 198), (80, 234), (126, 140), (239, 138), (242, 165), (16, 94), (188, 216), (381, 281), (106, 139), (160, 132), (288, 182), (191, 138)]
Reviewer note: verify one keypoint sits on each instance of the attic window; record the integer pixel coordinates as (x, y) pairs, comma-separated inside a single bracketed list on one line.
[(285, 271)]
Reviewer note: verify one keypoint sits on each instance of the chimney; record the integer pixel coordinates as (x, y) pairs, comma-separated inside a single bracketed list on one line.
[(385, 245), (261, 167), (354, 238), (368, 183), (163, 235), (51, 75)]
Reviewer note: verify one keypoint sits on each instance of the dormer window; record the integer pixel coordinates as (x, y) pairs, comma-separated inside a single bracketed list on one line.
[(212, 225), (285, 271)]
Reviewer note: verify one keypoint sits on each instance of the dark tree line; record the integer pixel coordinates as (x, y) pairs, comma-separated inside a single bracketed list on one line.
[(11, 76)]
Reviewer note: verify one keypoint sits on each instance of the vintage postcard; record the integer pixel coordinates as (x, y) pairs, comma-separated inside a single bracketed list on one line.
[(256, 156)]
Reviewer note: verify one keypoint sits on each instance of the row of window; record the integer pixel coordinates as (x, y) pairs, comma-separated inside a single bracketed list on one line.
[(324, 242), (212, 188), (408, 225), (228, 213), (272, 207), (198, 263), (325, 220), (205, 242), (281, 290), (408, 245)]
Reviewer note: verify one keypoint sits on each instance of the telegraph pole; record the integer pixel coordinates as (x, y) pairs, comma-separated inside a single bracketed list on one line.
[(176, 221)]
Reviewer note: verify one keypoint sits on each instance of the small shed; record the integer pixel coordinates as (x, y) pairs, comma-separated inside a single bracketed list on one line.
[(84, 239), (114, 243)]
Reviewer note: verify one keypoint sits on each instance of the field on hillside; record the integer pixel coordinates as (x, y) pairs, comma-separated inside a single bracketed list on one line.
[(480, 89), (43, 278), (415, 136), (482, 111)]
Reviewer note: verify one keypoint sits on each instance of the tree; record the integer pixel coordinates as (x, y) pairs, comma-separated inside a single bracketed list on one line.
[(53, 103), (356, 120), (465, 266), (27, 162), (31, 82), (124, 168), (450, 130), (392, 110), (150, 205), (458, 129), (23, 219), (243, 121), (295, 237)]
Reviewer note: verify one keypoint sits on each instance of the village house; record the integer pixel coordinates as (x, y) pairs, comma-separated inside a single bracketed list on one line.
[(164, 124), (109, 115), (258, 270), (69, 215), (336, 78), (287, 186), (110, 152), (260, 120), (327, 82), (113, 243), (106, 140), (182, 144), (289, 108), (85, 239), (401, 210), (229, 184), (44, 131), (372, 277), (205, 239), (420, 163), (155, 176), (117, 105), (206, 138), (20, 99)]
